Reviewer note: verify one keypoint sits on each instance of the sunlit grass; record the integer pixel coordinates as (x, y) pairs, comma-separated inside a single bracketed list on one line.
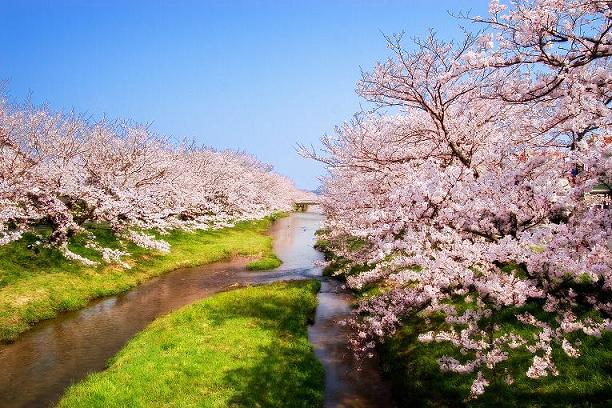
[(37, 286), (244, 348), (270, 261)]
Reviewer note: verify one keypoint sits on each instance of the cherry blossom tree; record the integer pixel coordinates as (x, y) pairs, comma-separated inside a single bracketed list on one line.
[(468, 191), (63, 172)]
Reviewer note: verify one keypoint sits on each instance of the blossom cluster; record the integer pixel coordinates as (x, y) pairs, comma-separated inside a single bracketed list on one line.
[(61, 172), (469, 187)]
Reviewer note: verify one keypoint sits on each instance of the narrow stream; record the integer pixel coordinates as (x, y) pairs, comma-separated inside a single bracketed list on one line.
[(43, 362)]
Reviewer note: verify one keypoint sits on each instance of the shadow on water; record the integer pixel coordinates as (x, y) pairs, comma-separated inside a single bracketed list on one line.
[(283, 370), (42, 363)]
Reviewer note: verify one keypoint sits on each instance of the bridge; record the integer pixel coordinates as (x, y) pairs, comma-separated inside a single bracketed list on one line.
[(303, 204)]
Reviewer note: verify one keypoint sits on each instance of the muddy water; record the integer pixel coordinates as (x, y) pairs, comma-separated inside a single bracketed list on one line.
[(35, 370)]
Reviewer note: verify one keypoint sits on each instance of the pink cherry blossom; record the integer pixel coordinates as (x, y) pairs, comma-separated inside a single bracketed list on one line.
[(61, 171), (473, 180)]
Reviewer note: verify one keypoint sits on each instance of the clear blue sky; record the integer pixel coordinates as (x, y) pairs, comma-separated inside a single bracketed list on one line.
[(259, 76)]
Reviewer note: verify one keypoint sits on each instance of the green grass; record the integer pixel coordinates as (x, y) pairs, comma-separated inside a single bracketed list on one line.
[(270, 261), (243, 348), (267, 258), (38, 286), (417, 381)]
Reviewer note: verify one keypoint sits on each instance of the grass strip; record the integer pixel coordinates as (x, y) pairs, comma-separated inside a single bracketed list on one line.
[(247, 347), (270, 261)]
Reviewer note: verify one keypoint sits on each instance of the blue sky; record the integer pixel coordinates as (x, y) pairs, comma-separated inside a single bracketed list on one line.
[(259, 76)]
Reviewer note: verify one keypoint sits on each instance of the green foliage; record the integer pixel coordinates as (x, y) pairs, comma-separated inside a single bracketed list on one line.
[(37, 285), (244, 348)]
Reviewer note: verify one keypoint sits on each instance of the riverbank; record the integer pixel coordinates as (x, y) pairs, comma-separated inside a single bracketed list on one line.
[(245, 347), (414, 372), (38, 286), (413, 369), (57, 353)]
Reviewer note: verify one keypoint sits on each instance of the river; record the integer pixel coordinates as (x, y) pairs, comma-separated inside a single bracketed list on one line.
[(43, 362)]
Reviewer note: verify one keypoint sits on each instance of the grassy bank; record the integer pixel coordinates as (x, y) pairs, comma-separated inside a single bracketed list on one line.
[(417, 381), (269, 261), (247, 347), (38, 286)]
